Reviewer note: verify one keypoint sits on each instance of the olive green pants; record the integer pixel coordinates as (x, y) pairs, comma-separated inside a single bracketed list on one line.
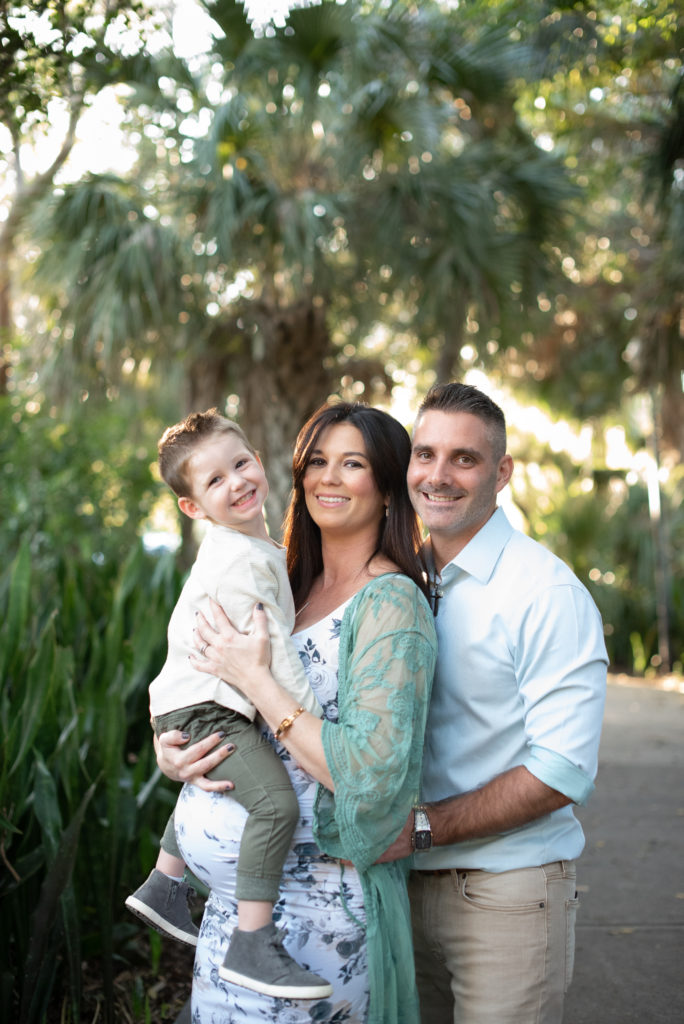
[(261, 785)]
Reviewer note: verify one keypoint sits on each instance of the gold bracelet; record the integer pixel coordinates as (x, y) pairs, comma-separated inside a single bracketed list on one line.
[(287, 722)]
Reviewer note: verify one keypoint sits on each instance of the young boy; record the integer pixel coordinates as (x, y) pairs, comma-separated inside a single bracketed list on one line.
[(217, 476)]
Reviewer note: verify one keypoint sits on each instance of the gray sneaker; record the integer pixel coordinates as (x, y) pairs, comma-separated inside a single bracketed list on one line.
[(258, 961), (163, 904)]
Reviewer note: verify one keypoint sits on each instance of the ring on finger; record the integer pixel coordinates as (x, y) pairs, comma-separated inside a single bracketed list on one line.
[(203, 649)]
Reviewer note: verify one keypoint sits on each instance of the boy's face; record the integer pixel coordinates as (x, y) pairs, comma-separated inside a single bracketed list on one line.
[(228, 484)]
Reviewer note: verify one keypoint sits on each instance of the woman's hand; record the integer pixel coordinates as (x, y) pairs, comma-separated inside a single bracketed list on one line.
[(229, 654), (192, 763)]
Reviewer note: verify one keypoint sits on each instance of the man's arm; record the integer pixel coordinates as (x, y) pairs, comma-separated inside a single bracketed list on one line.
[(562, 725), (507, 802)]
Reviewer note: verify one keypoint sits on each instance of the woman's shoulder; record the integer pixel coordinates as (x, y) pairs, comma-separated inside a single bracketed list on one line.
[(388, 613), (390, 588)]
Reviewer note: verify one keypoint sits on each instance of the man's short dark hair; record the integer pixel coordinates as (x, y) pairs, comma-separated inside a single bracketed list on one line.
[(457, 397)]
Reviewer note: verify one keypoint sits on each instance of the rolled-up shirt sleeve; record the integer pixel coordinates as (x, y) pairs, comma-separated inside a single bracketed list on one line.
[(561, 675), (557, 772)]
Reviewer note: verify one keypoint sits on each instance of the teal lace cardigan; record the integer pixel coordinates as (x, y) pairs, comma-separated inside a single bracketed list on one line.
[(374, 753)]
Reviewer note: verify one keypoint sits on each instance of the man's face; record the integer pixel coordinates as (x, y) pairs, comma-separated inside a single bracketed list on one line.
[(453, 478)]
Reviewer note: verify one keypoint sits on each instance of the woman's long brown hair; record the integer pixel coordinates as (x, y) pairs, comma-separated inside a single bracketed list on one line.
[(388, 447)]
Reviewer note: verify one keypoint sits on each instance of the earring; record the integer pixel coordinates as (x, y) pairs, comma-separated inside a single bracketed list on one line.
[(386, 511)]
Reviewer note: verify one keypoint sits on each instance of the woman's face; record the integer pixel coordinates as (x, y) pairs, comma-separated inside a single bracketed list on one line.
[(339, 487)]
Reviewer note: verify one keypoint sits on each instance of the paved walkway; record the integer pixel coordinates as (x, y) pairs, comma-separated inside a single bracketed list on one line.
[(629, 963)]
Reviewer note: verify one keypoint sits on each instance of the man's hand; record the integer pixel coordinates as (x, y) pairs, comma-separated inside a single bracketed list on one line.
[(191, 764), (508, 801), (401, 847)]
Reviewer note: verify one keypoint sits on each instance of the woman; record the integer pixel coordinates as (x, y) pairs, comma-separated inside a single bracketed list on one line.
[(365, 633)]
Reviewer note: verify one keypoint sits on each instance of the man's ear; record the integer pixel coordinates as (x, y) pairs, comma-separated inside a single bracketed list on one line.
[(190, 508), (504, 472)]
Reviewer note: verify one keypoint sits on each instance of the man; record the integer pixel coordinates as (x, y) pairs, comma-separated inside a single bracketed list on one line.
[(512, 737)]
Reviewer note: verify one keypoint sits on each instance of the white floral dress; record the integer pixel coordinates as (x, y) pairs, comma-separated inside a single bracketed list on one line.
[(321, 903)]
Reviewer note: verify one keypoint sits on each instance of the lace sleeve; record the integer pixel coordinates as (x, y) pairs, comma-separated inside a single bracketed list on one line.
[(374, 751)]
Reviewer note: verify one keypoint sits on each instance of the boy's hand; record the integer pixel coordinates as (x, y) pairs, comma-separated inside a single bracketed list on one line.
[(191, 764)]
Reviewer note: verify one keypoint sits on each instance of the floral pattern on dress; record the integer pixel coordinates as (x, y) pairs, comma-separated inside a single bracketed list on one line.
[(321, 902)]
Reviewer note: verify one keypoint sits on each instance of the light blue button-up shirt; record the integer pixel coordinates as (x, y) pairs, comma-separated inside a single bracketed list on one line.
[(520, 680)]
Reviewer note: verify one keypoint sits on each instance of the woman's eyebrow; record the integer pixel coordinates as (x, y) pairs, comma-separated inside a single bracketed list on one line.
[(318, 451)]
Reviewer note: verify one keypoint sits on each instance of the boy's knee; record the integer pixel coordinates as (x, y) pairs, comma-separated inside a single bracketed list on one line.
[(279, 805), (289, 806)]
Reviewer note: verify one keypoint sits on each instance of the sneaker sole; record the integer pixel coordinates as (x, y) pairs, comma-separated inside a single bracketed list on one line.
[(281, 991), (160, 924)]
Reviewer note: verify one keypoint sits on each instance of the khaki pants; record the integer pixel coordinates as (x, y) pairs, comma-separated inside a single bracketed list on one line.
[(494, 948)]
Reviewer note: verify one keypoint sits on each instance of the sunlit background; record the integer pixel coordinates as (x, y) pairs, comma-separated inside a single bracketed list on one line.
[(629, 450), (259, 207)]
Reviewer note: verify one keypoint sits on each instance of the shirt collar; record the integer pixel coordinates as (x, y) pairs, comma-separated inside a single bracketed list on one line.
[(480, 555)]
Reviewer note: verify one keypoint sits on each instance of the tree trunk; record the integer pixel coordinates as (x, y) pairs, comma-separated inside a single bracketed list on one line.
[(280, 372), (26, 195), (286, 380), (6, 326), (448, 363)]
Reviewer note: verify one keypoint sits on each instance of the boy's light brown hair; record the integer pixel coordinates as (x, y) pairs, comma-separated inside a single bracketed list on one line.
[(178, 444)]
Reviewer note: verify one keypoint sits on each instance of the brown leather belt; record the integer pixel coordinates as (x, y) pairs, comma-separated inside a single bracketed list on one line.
[(436, 872)]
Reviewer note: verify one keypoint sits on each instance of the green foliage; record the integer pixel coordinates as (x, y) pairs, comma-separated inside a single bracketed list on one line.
[(76, 486), (356, 176), (608, 97), (79, 645), (69, 50), (84, 611), (102, 238), (607, 534)]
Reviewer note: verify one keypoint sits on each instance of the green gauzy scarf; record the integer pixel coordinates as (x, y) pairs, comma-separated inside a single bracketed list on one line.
[(374, 753)]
